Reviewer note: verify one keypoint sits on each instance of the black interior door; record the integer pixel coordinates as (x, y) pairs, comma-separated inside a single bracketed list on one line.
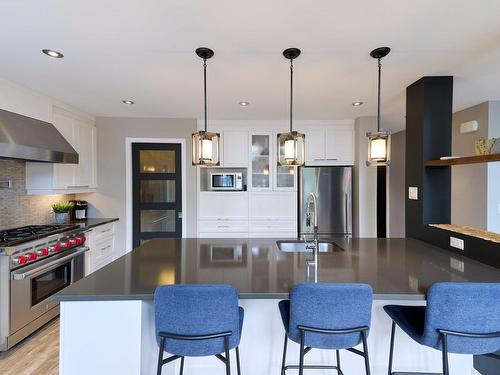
[(157, 191)]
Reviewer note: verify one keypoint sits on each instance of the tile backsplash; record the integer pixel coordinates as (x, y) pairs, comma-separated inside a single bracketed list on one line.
[(16, 207)]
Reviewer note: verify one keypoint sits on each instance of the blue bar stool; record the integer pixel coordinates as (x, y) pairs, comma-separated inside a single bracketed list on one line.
[(197, 320), (459, 318), (327, 316)]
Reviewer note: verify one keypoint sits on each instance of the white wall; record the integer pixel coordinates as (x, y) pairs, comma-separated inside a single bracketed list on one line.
[(396, 189), (475, 188), (365, 181), (468, 182), (110, 198), (493, 188)]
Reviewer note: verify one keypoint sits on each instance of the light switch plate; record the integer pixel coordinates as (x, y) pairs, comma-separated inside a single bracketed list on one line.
[(413, 193), (457, 243)]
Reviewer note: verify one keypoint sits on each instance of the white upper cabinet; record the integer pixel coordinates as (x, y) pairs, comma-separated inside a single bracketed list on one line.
[(46, 178), (340, 144), (330, 145), (315, 145), (235, 149)]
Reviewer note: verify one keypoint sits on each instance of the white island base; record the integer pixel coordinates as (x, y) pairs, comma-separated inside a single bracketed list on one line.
[(117, 337)]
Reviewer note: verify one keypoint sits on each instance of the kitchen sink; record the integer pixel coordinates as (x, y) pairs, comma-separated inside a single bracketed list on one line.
[(299, 246)]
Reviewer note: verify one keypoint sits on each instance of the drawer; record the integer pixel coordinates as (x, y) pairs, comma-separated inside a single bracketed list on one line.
[(103, 231), (223, 226), (103, 249), (101, 262), (273, 226)]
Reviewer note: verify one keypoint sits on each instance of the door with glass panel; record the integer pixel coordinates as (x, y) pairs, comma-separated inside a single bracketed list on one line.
[(157, 192)]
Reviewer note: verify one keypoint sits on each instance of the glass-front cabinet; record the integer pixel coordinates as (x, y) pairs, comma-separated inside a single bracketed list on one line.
[(260, 155), (264, 171)]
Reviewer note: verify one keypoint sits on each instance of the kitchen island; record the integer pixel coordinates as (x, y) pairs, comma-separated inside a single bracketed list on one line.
[(107, 318)]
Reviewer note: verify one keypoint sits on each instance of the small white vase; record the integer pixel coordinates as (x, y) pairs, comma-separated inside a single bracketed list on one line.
[(62, 218)]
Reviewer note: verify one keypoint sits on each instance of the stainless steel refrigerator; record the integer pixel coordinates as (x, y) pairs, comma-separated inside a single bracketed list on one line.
[(333, 188)]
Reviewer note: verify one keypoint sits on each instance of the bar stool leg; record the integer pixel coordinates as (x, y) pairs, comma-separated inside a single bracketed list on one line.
[(301, 362), (446, 370), (365, 350), (284, 356), (238, 360), (391, 351), (228, 361), (338, 361), (160, 356), (181, 372)]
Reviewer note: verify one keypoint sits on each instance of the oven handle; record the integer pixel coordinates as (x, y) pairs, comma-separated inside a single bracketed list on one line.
[(48, 266)]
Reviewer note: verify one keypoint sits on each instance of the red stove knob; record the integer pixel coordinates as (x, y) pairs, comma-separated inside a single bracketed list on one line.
[(22, 259), (32, 256), (68, 244), (57, 247), (44, 252)]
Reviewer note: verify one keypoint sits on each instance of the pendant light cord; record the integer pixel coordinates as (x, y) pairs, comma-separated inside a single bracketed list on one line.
[(378, 93), (291, 93), (205, 89)]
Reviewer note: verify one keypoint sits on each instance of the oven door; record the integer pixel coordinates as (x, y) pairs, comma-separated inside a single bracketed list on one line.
[(32, 286)]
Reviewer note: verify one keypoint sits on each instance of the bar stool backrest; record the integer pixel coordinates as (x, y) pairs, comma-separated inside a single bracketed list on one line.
[(330, 306), (192, 310), (463, 307)]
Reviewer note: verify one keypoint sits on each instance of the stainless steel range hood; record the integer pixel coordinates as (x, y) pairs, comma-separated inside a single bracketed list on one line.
[(29, 139)]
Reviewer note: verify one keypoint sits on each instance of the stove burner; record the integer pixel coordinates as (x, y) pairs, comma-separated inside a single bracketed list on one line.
[(19, 235)]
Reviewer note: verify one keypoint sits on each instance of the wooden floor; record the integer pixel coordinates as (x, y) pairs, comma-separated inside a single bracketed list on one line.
[(37, 354)]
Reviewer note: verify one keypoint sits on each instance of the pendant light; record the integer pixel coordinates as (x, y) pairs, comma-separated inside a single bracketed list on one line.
[(291, 151), (206, 151), (379, 143)]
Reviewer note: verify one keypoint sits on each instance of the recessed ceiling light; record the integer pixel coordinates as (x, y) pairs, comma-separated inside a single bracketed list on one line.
[(52, 53), (129, 102), (244, 104), (357, 104)]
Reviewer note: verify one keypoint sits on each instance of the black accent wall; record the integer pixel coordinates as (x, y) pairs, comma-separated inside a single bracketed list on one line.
[(428, 136)]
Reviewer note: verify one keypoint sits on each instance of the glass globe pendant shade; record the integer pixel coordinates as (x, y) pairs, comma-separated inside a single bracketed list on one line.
[(291, 150), (379, 149), (206, 150)]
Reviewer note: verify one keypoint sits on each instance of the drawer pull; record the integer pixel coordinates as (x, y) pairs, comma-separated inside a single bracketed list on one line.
[(332, 159), (78, 186), (106, 247), (106, 230), (222, 226)]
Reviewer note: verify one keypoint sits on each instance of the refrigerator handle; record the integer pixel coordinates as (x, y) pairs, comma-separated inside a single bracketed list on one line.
[(347, 213)]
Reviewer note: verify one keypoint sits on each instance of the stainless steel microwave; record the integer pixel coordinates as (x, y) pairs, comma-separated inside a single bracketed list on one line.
[(226, 181)]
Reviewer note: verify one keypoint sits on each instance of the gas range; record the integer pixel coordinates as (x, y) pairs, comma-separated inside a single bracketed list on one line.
[(36, 262), (30, 244)]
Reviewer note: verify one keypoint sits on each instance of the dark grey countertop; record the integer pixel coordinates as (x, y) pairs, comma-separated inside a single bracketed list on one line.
[(395, 268), (92, 223)]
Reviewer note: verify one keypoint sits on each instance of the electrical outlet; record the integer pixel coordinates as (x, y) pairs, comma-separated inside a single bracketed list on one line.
[(457, 243), (457, 265), (413, 193)]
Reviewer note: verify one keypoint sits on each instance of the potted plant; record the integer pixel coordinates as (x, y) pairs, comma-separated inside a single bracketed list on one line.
[(61, 211)]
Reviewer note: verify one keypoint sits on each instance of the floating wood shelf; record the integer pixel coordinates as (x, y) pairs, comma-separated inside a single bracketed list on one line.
[(463, 160), (469, 231)]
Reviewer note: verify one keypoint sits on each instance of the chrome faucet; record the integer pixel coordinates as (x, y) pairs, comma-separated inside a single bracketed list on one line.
[(312, 222), (312, 200)]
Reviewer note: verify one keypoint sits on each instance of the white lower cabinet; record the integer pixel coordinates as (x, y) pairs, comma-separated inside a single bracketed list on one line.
[(101, 241), (257, 214)]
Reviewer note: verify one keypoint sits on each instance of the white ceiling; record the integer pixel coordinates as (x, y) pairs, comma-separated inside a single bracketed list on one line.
[(144, 51)]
